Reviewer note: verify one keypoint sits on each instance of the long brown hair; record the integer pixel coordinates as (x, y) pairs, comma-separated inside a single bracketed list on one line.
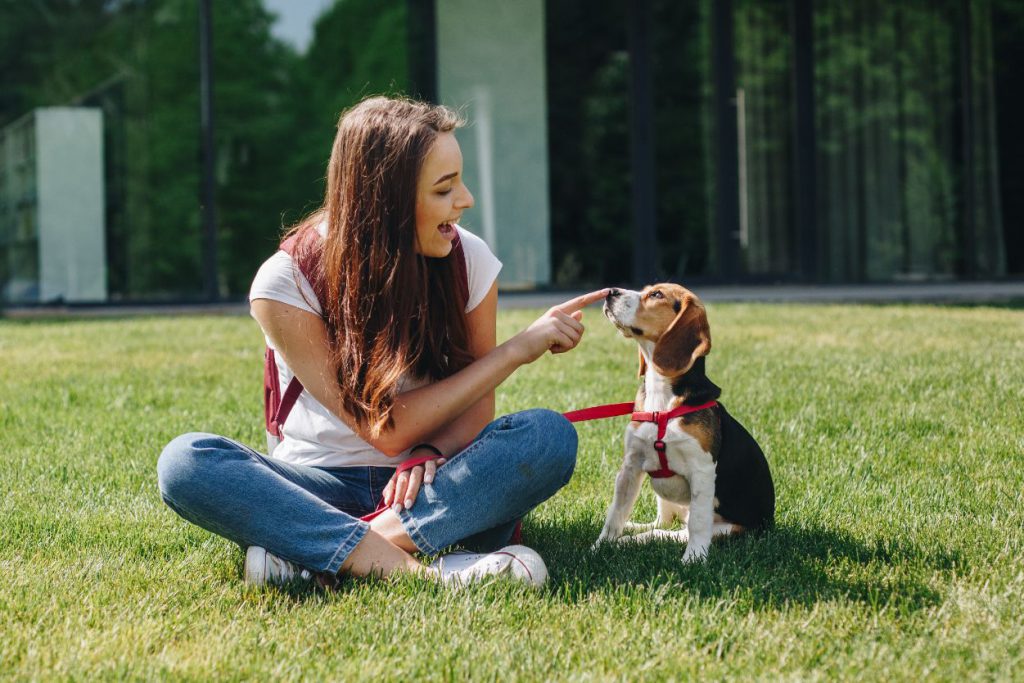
[(389, 311)]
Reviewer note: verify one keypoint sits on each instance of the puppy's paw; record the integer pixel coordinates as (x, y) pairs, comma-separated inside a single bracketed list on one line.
[(658, 534), (604, 539), (695, 554)]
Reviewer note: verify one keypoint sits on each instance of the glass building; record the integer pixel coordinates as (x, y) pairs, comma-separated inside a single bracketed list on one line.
[(868, 141), (609, 142)]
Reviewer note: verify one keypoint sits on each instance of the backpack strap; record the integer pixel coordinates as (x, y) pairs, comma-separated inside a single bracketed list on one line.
[(277, 406), (301, 246)]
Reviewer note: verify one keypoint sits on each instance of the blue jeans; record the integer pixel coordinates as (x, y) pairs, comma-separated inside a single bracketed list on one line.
[(309, 515)]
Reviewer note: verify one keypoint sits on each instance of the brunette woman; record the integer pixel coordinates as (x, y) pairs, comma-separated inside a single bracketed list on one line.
[(398, 361)]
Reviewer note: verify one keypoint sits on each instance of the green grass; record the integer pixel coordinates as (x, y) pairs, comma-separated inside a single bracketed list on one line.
[(895, 435)]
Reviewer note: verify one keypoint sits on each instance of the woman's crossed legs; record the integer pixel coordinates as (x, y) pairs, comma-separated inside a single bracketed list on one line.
[(309, 515)]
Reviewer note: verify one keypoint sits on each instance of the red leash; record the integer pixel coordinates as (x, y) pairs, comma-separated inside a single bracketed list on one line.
[(598, 412), (595, 413), (660, 418)]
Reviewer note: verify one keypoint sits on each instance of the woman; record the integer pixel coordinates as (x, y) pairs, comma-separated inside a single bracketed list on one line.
[(399, 362)]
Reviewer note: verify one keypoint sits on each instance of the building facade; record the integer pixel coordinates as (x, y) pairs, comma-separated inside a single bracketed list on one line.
[(736, 140), (763, 141)]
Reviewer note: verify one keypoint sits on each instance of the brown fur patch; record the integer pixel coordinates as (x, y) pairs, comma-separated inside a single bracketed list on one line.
[(657, 309), (674, 319), (702, 426)]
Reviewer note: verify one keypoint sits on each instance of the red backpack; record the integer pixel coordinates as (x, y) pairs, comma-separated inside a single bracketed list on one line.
[(277, 406)]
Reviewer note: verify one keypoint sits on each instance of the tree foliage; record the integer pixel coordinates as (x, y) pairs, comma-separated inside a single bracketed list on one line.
[(274, 112)]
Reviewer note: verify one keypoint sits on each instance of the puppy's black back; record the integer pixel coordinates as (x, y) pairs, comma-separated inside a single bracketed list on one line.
[(743, 484)]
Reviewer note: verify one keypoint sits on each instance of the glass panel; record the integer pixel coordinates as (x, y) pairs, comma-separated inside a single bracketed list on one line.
[(19, 235), (984, 229), (893, 162), (683, 138), (588, 142), (135, 61), (764, 105), (504, 146), (1008, 56)]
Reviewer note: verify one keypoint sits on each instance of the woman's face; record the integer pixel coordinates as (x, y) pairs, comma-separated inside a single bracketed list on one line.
[(441, 197)]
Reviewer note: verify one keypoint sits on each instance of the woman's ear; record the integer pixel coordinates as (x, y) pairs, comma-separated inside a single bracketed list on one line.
[(686, 339), (642, 370)]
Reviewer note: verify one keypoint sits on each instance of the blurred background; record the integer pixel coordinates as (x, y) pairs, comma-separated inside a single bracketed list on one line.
[(729, 141)]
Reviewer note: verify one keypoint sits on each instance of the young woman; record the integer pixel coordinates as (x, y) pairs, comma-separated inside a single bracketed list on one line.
[(398, 361)]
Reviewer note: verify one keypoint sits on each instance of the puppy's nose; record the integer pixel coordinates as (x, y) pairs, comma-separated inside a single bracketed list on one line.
[(612, 293)]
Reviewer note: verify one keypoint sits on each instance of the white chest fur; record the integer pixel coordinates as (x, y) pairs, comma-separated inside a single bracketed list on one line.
[(684, 453)]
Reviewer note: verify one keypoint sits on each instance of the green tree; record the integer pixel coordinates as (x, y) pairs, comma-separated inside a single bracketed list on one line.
[(359, 48)]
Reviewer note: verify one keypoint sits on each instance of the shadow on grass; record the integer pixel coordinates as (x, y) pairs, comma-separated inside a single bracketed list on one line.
[(787, 565), (1008, 304)]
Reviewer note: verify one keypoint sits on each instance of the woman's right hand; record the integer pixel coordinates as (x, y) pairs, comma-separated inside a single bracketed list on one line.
[(558, 330), (404, 486)]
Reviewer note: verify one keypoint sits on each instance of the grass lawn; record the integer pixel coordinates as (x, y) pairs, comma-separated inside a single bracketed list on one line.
[(895, 435)]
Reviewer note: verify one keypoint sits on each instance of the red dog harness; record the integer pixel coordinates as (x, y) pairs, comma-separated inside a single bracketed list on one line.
[(659, 418)]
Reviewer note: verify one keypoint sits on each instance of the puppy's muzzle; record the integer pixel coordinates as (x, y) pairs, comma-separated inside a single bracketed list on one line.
[(609, 303), (618, 310)]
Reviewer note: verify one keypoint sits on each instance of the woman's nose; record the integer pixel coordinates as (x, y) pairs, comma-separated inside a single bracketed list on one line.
[(466, 200)]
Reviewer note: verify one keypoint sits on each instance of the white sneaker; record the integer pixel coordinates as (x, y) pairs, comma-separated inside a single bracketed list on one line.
[(461, 568), (262, 567)]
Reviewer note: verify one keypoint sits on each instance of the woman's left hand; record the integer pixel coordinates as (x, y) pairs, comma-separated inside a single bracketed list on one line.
[(403, 488)]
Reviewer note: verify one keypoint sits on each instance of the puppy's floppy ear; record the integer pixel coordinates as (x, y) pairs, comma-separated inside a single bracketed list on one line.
[(642, 370), (686, 339)]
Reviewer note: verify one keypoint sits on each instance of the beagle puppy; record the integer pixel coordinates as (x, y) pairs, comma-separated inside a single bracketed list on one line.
[(712, 475)]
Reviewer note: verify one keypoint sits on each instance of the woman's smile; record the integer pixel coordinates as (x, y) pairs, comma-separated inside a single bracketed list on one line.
[(448, 229), (441, 197)]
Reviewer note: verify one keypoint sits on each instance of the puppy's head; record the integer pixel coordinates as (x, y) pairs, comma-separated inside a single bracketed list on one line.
[(668, 316)]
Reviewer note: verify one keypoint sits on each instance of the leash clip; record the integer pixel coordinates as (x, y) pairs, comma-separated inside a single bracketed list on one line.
[(659, 446)]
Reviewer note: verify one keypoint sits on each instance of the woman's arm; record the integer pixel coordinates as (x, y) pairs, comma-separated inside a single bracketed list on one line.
[(481, 325), (301, 338), (404, 486)]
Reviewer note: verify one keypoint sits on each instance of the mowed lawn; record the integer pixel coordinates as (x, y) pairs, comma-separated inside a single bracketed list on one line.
[(895, 435)]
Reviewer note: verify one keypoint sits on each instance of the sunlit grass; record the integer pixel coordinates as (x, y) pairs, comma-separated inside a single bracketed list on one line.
[(895, 434)]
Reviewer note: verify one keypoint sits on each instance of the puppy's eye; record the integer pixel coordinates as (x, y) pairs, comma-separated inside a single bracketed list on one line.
[(655, 295)]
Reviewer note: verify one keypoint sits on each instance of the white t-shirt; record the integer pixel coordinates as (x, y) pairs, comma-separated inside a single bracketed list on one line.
[(312, 435)]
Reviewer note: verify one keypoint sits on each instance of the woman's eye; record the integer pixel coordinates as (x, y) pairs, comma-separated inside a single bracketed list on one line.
[(444, 192)]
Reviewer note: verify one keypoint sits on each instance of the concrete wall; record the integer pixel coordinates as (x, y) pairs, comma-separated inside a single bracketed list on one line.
[(491, 65)]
